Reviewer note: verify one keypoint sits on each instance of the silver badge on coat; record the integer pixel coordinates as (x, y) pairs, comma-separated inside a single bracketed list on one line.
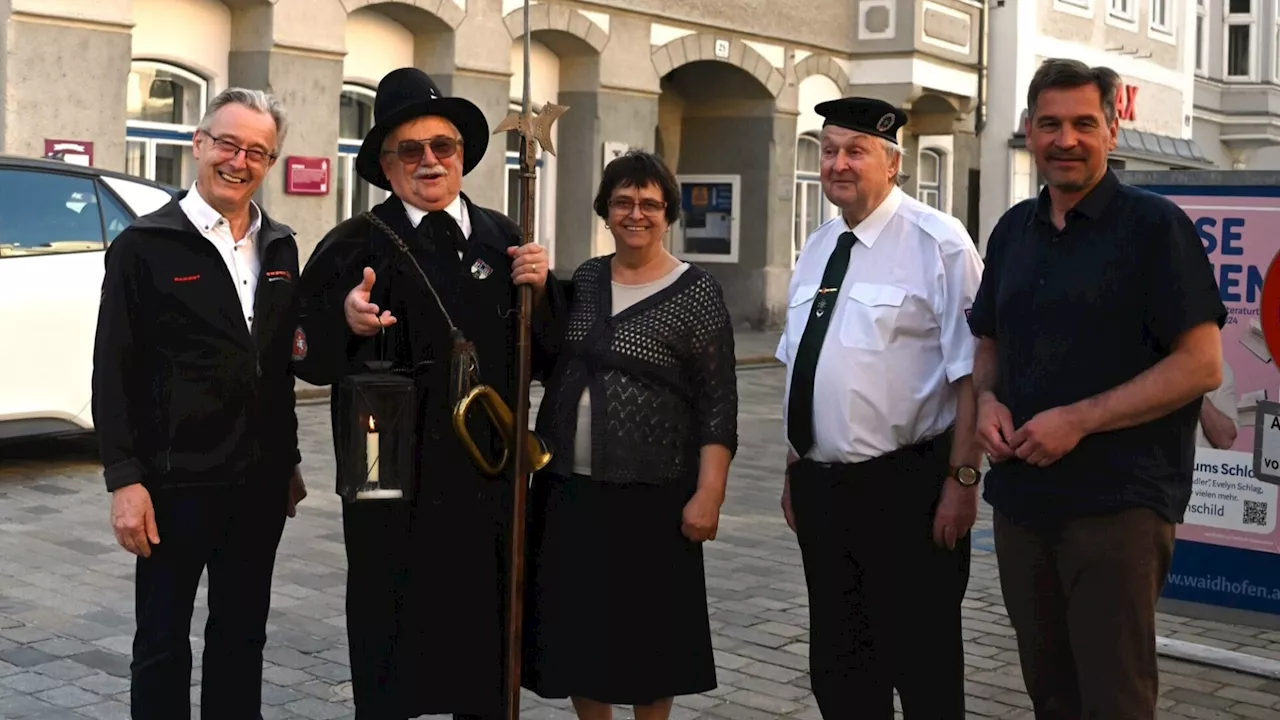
[(481, 270)]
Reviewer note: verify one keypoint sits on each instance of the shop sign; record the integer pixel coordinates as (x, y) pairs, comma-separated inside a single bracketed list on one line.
[(1127, 102)]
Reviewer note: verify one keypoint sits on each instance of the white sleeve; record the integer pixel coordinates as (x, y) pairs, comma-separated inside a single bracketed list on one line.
[(781, 352), (961, 275)]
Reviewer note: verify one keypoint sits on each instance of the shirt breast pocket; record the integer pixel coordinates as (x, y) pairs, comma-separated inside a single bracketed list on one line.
[(798, 315), (870, 315)]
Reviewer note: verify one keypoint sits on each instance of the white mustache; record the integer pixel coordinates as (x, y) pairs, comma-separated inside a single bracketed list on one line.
[(430, 172)]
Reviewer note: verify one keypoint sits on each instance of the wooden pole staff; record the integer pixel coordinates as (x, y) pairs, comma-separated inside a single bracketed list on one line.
[(534, 129)]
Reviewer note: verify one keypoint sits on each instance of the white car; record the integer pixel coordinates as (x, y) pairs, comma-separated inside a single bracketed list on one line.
[(56, 220)]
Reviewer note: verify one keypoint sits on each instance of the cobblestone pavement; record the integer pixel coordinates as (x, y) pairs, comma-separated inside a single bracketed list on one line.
[(66, 603)]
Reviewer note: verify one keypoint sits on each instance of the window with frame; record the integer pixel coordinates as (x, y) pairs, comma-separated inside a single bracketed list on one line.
[(1122, 9), (1239, 41), (930, 172), (1161, 16), (1202, 38), (355, 118), (811, 207), (164, 104), (1075, 7)]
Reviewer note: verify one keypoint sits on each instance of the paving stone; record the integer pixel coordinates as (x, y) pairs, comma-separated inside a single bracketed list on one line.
[(316, 709), (110, 710), (65, 670), (103, 684), (108, 662), (69, 696), (30, 682)]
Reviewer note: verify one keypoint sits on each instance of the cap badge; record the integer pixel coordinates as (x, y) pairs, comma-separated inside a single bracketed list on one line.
[(885, 123)]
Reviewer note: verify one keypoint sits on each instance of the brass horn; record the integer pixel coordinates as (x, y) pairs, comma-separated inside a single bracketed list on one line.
[(501, 417)]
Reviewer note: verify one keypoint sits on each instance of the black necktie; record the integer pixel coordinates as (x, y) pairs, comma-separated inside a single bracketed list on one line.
[(444, 229), (800, 405)]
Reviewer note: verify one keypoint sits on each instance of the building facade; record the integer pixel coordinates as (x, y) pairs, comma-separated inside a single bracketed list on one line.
[(724, 91), (1237, 82), (1150, 43)]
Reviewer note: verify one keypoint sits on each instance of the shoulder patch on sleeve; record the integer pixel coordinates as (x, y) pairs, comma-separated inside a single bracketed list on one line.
[(299, 344)]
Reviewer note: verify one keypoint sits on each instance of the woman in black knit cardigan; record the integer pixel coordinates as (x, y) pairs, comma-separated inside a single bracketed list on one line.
[(641, 414)]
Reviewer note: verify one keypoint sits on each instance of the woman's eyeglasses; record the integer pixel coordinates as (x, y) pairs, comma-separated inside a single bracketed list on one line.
[(625, 206), (411, 152)]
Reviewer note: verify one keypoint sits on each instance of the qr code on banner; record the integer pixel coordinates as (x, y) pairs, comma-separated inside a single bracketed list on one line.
[(1255, 513)]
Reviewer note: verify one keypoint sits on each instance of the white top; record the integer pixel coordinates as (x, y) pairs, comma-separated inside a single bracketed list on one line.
[(455, 209), (240, 256), (1224, 399), (624, 296), (899, 335)]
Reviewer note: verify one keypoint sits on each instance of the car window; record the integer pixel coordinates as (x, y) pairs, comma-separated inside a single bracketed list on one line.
[(114, 217), (44, 213)]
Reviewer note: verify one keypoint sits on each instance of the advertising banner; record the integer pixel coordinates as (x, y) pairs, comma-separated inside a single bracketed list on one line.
[(1228, 551), (1240, 230)]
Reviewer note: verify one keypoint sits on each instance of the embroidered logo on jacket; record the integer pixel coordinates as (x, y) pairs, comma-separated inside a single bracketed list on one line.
[(186, 278), (274, 275), (299, 344)]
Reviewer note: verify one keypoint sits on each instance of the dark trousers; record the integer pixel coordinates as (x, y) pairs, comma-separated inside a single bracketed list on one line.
[(234, 531), (884, 600), (1082, 599)]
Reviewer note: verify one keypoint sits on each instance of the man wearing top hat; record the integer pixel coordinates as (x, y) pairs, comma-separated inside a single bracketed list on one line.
[(426, 578), (882, 469)]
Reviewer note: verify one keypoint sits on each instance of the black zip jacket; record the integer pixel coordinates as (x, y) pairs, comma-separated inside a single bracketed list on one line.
[(183, 393)]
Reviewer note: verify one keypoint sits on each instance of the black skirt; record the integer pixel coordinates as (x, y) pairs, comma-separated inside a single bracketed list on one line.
[(616, 596)]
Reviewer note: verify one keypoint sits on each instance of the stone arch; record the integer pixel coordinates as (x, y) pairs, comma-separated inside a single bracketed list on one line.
[(826, 66), (557, 19), (702, 46), (412, 13)]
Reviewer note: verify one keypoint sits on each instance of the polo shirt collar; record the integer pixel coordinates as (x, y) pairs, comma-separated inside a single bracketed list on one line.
[(1091, 205), (868, 231)]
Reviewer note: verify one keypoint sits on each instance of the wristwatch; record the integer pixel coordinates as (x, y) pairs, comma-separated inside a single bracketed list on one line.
[(966, 475)]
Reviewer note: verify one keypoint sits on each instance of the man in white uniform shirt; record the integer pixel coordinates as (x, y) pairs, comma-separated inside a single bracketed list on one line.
[(881, 484)]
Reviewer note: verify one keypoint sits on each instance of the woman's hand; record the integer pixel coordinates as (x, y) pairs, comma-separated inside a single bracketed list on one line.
[(701, 516)]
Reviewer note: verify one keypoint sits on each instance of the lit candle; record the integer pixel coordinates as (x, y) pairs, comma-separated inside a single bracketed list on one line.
[(371, 452)]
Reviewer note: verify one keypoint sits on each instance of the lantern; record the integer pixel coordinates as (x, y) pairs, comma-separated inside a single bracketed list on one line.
[(375, 423)]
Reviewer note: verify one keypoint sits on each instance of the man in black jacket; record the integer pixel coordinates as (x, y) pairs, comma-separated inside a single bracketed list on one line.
[(193, 400), (425, 582)]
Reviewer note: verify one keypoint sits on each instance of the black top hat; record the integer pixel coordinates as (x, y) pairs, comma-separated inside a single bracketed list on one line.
[(866, 115), (409, 93)]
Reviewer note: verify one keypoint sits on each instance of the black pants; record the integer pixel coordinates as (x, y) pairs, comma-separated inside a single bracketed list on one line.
[(234, 531), (884, 600)]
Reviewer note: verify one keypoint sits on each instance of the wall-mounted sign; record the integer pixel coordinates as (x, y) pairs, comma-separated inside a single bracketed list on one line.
[(722, 48), (1127, 102), (76, 152), (612, 151), (306, 175), (710, 211)]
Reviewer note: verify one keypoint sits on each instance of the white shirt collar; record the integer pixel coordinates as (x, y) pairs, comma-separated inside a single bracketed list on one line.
[(872, 225), (455, 210), (205, 218)]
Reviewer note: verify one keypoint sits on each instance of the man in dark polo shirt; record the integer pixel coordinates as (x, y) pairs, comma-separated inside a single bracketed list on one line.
[(1098, 318)]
